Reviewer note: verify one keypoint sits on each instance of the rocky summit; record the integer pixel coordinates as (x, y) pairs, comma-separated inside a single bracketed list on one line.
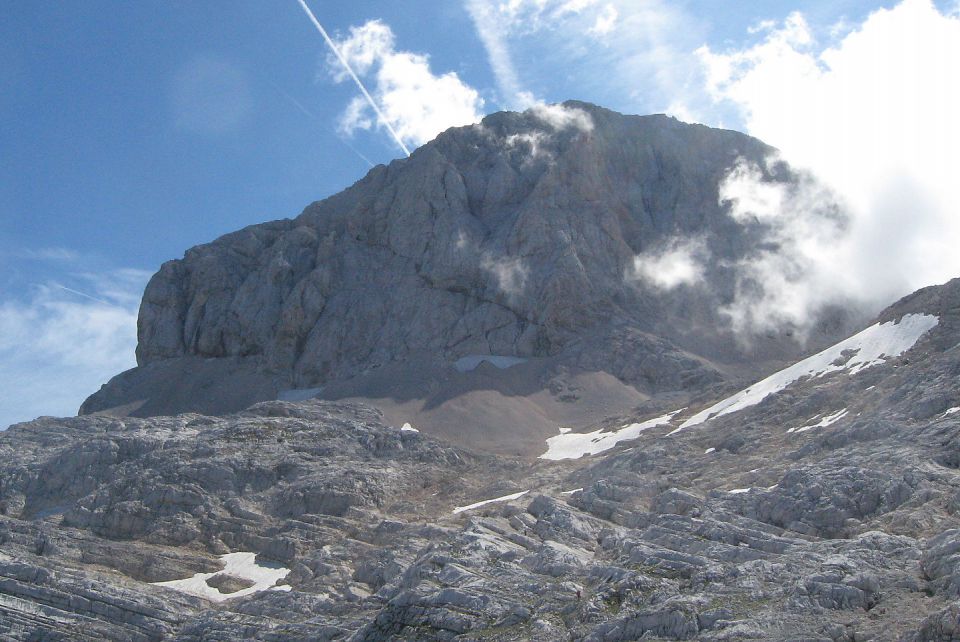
[(443, 405)]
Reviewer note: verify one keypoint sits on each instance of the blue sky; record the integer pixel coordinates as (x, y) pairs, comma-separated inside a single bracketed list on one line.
[(135, 130)]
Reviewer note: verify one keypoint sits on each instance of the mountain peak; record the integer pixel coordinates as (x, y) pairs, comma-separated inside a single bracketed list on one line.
[(520, 236)]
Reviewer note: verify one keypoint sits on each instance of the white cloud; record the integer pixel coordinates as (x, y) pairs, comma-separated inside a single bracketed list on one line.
[(210, 95), (680, 262), (60, 344), (791, 274), (874, 115), (605, 22), (561, 117), (417, 104)]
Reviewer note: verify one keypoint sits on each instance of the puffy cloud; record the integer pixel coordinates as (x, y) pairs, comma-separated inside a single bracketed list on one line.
[(561, 117), (58, 345), (681, 262), (791, 273), (415, 102), (873, 115)]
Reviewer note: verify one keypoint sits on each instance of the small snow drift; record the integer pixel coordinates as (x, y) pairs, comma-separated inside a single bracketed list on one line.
[(243, 566), (471, 362), (505, 498), (298, 394), (573, 445), (861, 351), (823, 423)]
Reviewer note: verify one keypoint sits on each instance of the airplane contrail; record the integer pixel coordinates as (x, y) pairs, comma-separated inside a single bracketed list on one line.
[(356, 79), (78, 292), (309, 114)]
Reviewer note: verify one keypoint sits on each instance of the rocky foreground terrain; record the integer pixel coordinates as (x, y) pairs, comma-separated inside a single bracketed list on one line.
[(441, 405), (827, 511)]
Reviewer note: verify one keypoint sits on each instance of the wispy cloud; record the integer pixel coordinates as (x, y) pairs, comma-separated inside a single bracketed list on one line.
[(680, 262), (509, 273), (42, 254), (634, 55), (494, 32), (407, 98), (873, 114), (59, 343), (791, 274)]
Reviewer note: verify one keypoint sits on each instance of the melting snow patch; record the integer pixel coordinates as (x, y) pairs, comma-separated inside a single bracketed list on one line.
[(708, 451), (573, 445), (861, 351), (408, 428), (505, 498), (570, 492), (298, 394), (242, 565), (950, 411), (739, 491), (470, 362), (823, 423)]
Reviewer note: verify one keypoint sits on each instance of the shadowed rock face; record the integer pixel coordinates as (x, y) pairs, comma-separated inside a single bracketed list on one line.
[(514, 237)]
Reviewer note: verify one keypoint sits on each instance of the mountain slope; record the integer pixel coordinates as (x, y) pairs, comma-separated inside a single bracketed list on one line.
[(517, 237)]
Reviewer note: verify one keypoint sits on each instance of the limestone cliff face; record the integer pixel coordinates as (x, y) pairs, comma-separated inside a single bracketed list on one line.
[(516, 236)]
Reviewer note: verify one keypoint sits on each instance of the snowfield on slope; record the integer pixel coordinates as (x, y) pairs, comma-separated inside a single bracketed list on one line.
[(823, 423), (242, 565), (573, 445), (505, 498), (861, 351)]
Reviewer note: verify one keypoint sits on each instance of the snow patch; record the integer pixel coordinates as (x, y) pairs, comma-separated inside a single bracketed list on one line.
[(471, 362), (298, 394), (570, 492), (823, 423), (709, 450), (408, 428), (859, 352), (740, 491), (505, 498), (264, 576), (950, 411), (573, 445)]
